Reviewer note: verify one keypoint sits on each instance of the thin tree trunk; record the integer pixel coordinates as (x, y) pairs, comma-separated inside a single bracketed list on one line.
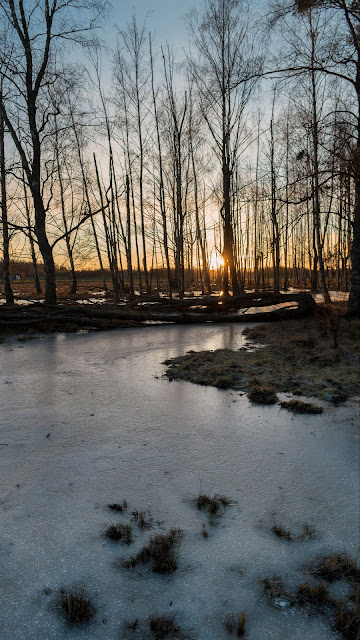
[(315, 139), (63, 213), (31, 240), (9, 296), (161, 177)]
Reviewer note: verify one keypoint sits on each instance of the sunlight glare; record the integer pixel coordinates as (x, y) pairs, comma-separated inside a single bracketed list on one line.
[(216, 260)]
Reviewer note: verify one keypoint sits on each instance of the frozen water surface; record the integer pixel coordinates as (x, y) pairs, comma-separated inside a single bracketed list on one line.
[(118, 430)]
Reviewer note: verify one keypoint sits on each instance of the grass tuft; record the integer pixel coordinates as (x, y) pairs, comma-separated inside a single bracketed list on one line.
[(115, 507), (214, 505), (338, 565), (313, 593), (162, 551), (223, 382), (298, 406), (280, 532), (163, 626), (142, 522), (202, 501), (229, 622), (309, 533), (261, 394), (120, 532), (347, 619), (77, 606), (241, 624)]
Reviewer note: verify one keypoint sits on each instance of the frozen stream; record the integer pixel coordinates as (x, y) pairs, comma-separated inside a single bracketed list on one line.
[(119, 431)]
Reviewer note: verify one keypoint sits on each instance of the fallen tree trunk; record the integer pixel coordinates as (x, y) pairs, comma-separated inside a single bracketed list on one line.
[(75, 317)]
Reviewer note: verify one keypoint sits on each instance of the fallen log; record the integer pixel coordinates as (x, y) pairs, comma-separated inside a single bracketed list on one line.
[(91, 317)]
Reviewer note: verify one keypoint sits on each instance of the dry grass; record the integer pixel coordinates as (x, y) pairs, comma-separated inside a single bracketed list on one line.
[(336, 566), (77, 606), (211, 504), (313, 593), (162, 552), (214, 505), (202, 501), (241, 624), (275, 591), (298, 406), (140, 518), (163, 627), (262, 394), (307, 365), (309, 533), (229, 622), (115, 507), (347, 618), (119, 532), (343, 615), (238, 624), (281, 532), (133, 625)]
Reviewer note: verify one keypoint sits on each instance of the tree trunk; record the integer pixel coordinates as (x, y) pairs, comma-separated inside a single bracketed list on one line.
[(9, 296), (354, 297), (315, 139)]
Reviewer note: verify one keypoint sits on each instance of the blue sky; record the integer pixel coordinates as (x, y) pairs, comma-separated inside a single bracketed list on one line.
[(165, 17)]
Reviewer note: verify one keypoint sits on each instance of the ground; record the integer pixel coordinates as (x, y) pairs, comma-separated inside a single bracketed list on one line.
[(89, 421), (318, 356)]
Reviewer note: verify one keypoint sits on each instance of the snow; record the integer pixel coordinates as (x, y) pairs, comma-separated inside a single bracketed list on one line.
[(118, 430)]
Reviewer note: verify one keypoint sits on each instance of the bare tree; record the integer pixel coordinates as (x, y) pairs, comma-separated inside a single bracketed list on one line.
[(340, 58), (221, 68), (34, 31)]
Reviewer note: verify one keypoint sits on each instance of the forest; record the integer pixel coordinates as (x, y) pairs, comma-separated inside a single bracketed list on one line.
[(230, 165)]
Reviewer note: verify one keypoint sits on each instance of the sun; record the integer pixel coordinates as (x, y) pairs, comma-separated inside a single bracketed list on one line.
[(216, 260)]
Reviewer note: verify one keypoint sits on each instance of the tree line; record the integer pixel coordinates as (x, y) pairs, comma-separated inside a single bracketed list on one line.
[(140, 161)]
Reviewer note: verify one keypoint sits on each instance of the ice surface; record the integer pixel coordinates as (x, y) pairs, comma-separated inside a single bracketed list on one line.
[(117, 430)]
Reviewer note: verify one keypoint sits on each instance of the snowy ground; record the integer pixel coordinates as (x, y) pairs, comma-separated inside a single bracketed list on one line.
[(119, 431)]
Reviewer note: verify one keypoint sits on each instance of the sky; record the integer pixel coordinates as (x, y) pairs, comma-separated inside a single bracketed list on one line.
[(164, 17)]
